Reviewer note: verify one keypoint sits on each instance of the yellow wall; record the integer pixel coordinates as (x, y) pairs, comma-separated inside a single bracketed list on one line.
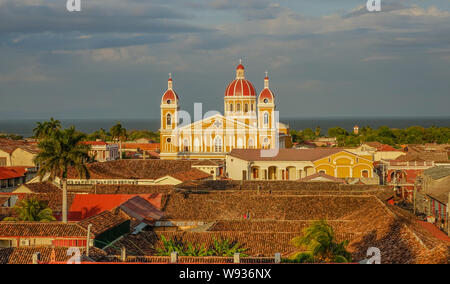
[(21, 157), (345, 165)]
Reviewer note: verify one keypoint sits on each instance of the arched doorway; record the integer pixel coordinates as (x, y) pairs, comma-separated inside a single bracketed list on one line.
[(255, 173), (273, 173), (291, 173)]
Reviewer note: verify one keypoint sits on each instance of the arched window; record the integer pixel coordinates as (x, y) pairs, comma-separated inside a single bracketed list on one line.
[(252, 107), (169, 120), (231, 107), (238, 107), (246, 108), (186, 145), (266, 119), (218, 144)]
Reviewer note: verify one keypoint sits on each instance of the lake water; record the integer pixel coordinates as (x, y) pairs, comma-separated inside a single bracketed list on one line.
[(25, 127)]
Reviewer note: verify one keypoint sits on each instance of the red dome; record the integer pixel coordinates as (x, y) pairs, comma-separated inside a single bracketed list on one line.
[(240, 87), (240, 67), (266, 94), (170, 95)]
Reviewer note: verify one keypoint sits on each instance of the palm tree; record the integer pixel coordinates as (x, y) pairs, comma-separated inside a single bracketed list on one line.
[(46, 128), (32, 210), (60, 152), (39, 130), (320, 245), (119, 134)]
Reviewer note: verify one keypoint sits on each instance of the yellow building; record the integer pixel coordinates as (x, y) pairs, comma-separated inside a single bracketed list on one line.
[(294, 164), (17, 153), (249, 122)]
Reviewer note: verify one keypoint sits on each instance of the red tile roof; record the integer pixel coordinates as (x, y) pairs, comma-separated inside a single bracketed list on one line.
[(42, 187), (12, 172), (24, 255), (141, 146), (102, 222), (192, 174), (134, 169), (40, 229), (87, 205)]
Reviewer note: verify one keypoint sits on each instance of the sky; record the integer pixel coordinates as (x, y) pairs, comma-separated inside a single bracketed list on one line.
[(325, 58)]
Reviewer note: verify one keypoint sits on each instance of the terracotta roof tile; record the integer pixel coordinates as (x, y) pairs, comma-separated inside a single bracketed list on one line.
[(43, 187), (25, 255), (134, 169), (39, 229), (190, 175), (102, 222)]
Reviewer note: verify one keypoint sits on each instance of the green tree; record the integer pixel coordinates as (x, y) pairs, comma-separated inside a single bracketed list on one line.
[(309, 134), (46, 128), (60, 152), (32, 210), (318, 131), (337, 131), (119, 134), (320, 246)]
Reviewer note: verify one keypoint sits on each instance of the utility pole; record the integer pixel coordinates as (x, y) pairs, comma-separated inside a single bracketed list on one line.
[(88, 241)]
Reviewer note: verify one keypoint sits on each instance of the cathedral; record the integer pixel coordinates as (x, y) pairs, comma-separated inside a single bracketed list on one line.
[(249, 122)]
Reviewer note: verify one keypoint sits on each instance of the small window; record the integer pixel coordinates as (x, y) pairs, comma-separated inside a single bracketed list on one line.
[(169, 120), (169, 102), (238, 107), (168, 140), (246, 108), (231, 107), (266, 119), (266, 101)]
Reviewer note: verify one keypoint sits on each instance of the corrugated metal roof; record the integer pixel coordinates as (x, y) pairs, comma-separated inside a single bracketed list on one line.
[(141, 210), (437, 172)]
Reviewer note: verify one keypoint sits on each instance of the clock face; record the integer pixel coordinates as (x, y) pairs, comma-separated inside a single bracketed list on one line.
[(169, 140)]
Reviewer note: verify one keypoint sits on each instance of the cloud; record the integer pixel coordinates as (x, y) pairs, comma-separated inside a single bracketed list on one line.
[(28, 74), (379, 58)]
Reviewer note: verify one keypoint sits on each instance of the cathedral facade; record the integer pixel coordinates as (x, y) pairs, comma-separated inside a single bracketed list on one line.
[(250, 121)]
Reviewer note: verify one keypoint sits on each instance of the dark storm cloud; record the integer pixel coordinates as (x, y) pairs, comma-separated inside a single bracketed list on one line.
[(95, 17)]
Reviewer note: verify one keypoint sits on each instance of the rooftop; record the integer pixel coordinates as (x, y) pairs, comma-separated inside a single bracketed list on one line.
[(274, 220), (41, 229), (102, 222), (12, 172), (134, 169), (437, 172), (42, 187), (285, 154)]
